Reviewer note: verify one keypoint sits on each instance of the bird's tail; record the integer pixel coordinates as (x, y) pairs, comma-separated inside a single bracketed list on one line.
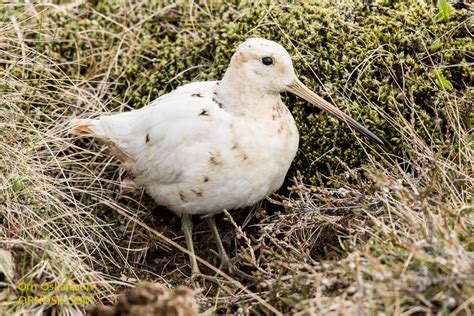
[(87, 128), (94, 128)]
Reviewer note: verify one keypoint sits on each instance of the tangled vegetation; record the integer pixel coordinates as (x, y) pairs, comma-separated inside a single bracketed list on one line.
[(376, 62), (361, 229)]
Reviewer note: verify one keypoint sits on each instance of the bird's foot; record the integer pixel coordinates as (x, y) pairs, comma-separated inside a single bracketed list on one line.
[(213, 279), (233, 270), (227, 264)]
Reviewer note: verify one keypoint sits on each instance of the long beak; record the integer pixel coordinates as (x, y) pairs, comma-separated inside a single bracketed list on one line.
[(298, 88)]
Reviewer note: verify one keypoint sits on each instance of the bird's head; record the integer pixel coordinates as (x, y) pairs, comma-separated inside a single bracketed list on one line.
[(266, 66)]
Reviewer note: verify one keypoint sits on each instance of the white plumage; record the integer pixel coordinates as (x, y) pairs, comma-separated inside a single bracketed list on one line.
[(195, 157), (211, 146)]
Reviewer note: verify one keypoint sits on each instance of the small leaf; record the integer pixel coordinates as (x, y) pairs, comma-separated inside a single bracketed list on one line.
[(442, 82), (444, 11)]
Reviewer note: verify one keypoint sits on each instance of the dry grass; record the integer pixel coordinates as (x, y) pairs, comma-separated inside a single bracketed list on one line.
[(394, 236)]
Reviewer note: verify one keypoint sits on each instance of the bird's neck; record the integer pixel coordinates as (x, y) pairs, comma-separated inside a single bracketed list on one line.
[(237, 95)]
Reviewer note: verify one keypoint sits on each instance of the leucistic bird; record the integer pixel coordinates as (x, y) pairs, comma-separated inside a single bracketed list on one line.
[(216, 145)]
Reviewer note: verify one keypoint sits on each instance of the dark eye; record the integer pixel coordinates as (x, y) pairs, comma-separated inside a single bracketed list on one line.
[(267, 61)]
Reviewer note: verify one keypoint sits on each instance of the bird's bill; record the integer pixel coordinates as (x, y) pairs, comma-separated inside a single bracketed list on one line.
[(298, 88)]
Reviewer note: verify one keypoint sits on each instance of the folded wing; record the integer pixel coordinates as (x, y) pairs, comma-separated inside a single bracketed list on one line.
[(166, 140)]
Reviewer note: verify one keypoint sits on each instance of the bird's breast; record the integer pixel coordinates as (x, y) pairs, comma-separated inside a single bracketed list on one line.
[(245, 158), (269, 140), (265, 146)]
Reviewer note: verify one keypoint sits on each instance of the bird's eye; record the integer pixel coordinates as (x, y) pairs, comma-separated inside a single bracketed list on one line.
[(267, 61)]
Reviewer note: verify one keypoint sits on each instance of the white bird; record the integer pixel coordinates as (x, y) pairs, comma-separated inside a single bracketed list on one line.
[(216, 145)]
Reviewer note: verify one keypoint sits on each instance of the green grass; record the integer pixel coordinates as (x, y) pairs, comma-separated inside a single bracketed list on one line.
[(361, 229)]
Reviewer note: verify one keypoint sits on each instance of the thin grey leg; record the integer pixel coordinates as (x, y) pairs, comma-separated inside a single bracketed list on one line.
[(225, 260), (226, 263), (187, 226)]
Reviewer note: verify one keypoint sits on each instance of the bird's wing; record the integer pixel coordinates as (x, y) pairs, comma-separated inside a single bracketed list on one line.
[(173, 135), (203, 87)]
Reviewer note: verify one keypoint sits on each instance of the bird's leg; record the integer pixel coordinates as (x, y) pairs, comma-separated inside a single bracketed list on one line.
[(224, 258), (226, 263), (187, 226)]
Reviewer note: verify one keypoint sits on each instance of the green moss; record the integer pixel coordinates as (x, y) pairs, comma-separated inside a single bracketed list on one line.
[(18, 183), (364, 58)]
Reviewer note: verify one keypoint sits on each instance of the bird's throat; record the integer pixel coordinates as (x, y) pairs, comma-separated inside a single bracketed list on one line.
[(241, 97)]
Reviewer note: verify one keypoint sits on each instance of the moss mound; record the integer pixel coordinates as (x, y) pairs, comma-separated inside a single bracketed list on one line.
[(373, 61)]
